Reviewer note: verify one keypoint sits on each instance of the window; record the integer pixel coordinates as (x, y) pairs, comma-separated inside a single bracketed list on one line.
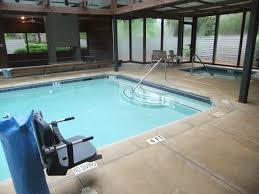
[(123, 39), (137, 40), (153, 39), (37, 42), (15, 43), (170, 35), (188, 19), (187, 38), (83, 40), (205, 38), (229, 39)]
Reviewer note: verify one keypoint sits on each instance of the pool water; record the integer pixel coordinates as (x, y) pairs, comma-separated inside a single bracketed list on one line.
[(216, 72), (99, 108)]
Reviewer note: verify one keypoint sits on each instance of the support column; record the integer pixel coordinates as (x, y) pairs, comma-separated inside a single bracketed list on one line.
[(249, 54), (76, 49), (215, 39), (76, 53), (193, 39), (52, 55), (130, 41), (162, 35), (180, 38), (115, 44), (3, 50), (144, 39)]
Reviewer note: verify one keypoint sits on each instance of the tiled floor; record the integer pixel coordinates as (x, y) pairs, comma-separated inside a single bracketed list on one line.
[(216, 151)]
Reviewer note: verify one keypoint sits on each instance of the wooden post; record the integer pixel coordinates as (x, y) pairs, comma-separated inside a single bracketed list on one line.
[(144, 39), (130, 41), (249, 54), (3, 50), (162, 35), (193, 39), (215, 39), (115, 44), (180, 38)]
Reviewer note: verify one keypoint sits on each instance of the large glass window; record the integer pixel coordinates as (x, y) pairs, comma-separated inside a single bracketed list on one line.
[(83, 40), (137, 40), (153, 41), (205, 38), (37, 42), (229, 38), (187, 39), (123, 39), (170, 35), (15, 43)]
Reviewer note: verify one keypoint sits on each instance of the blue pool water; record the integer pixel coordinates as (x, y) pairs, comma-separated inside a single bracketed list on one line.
[(99, 107)]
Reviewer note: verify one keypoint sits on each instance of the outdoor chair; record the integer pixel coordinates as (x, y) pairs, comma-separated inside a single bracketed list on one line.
[(172, 57), (157, 55), (58, 155)]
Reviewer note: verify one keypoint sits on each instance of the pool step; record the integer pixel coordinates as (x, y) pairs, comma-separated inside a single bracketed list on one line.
[(147, 98)]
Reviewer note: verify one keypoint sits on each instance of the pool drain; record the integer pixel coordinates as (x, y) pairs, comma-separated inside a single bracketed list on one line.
[(89, 190)]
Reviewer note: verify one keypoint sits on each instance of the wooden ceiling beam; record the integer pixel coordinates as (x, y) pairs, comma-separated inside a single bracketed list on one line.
[(144, 5), (153, 4), (223, 5), (41, 9)]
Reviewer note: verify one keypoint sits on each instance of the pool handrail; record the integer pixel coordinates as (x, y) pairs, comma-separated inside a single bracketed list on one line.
[(196, 56), (157, 63)]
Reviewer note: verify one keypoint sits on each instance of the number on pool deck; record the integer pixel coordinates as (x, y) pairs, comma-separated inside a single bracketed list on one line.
[(155, 139)]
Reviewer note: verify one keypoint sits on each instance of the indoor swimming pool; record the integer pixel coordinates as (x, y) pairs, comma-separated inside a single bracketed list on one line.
[(103, 106)]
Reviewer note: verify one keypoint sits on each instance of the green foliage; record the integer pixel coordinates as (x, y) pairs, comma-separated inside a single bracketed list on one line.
[(153, 27), (83, 35), (13, 36), (186, 52), (123, 28), (40, 47), (171, 27), (230, 24), (63, 49), (20, 51), (137, 27), (206, 26)]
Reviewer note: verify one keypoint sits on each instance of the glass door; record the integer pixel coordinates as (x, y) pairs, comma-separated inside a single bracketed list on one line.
[(187, 40)]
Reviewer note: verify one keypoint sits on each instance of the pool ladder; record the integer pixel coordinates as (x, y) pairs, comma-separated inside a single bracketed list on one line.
[(145, 76), (196, 56), (143, 97)]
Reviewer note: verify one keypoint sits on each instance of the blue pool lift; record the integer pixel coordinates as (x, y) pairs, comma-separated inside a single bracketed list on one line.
[(32, 144)]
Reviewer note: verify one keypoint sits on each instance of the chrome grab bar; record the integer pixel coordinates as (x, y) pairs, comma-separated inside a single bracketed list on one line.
[(150, 72), (193, 58)]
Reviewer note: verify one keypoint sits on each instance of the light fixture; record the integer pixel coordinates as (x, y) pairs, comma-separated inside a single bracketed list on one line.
[(22, 18)]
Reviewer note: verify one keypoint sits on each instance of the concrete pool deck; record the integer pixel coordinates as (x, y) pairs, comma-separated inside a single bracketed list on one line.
[(216, 151)]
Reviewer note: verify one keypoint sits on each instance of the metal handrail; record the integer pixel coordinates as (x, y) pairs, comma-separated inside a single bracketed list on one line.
[(150, 72), (193, 58)]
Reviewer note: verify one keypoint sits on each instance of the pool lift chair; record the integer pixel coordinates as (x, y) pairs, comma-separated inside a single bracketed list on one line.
[(58, 155)]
